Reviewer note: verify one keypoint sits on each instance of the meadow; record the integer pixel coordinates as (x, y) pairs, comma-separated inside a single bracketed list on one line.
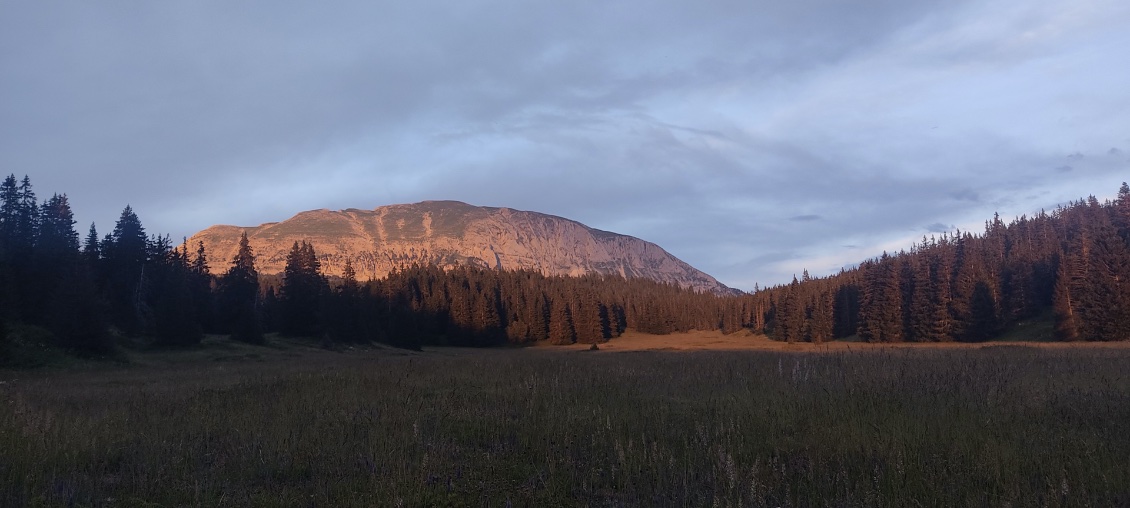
[(292, 425)]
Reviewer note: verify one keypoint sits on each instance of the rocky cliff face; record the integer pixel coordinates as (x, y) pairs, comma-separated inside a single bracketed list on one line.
[(450, 233)]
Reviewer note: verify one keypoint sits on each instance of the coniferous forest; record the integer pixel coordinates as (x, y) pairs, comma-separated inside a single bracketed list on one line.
[(1071, 265)]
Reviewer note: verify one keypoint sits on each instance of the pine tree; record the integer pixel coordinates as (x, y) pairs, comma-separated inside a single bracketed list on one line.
[(587, 320), (539, 317), (821, 321), (9, 216), (28, 217), (349, 286), (1066, 320), (64, 297), (78, 314), (942, 325), (488, 324), (301, 292), (1122, 212), (200, 287), (881, 310), (126, 253), (983, 324), (57, 235), (919, 296), (174, 313), (790, 324), (91, 250), (1105, 301), (239, 295), (19, 215), (846, 311), (561, 330)]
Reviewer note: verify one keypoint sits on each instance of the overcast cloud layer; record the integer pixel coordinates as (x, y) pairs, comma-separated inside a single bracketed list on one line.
[(752, 139)]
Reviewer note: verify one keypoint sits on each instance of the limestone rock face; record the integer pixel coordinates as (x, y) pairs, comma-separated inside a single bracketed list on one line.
[(447, 234)]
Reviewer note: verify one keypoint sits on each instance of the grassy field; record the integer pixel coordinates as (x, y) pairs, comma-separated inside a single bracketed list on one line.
[(290, 425)]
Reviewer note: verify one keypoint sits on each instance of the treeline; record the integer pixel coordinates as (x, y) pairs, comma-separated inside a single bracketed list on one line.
[(92, 293), (1073, 263)]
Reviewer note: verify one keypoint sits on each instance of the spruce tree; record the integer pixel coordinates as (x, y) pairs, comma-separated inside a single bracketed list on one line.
[(174, 313), (91, 250), (239, 295), (587, 319), (1066, 317), (881, 312), (821, 323), (126, 253), (539, 317), (301, 292), (791, 321), (1122, 212), (561, 330), (9, 216), (200, 286)]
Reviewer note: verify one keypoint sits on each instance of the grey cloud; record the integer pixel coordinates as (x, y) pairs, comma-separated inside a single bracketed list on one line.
[(708, 128), (965, 195)]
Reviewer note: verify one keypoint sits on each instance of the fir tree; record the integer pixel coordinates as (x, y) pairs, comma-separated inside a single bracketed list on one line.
[(200, 287), (239, 295), (301, 292), (91, 250), (1066, 318), (174, 313), (561, 330), (126, 253), (881, 310)]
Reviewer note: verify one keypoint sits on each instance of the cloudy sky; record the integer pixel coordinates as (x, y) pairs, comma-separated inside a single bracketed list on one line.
[(750, 138)]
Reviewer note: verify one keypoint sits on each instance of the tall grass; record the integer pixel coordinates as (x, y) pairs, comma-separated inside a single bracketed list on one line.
[(994, 426)]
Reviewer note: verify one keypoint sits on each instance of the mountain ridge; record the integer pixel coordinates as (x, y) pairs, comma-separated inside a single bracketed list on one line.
[(452, 233)]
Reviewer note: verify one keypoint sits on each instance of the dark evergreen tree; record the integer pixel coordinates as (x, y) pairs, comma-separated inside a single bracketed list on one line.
[(301, 293), (343, 314), (880, 315), (125, 255), (55, 250), (1066, 317), (78, 314), (982, 323), (821, 321), (91, 250), (941, 315), (587, 320), (19, 215), (200, 288), (239, 295), (1122, 212), (10, 204), (791, 318), (488, 328), (846, 310), (173, 310), (539, 317), (918, 293), (561, 330)]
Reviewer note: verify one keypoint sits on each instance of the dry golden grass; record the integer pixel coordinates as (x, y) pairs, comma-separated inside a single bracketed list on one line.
[(747, 341)]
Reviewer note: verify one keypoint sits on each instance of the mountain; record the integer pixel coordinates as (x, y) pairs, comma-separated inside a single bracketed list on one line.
[(451, 233)]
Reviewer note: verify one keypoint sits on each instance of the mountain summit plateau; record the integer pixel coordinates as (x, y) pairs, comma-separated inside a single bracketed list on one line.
[(449, 234)]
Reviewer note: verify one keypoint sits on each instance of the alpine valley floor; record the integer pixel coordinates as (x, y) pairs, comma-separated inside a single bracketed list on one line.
[(643, 421)]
